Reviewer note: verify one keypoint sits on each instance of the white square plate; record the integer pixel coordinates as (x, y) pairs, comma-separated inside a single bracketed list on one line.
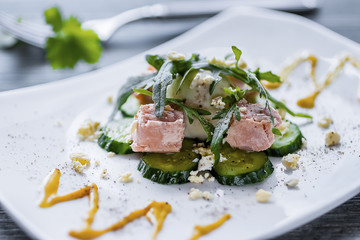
[(32, 142)]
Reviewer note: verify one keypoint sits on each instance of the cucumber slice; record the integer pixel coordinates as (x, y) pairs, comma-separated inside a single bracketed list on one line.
[(242, 167), (169, 168), (130, 107), (289, 142), (116, 136)]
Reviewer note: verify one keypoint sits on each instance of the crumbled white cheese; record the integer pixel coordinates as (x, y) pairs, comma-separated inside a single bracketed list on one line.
[(211, 179), (222, 63), (332, 138), (105, 174), (202, 78), (290, 161), (196, 194), (206, 163), (195, 160), (207, 195), (89, 131), (111, 154), (262, 196), (218, 103), (325, 122), (292, 183), (194, 178), (222, 158), (110, 99), (283, 126), (126, 178), (174, 56), (80, 161), (97, 163)]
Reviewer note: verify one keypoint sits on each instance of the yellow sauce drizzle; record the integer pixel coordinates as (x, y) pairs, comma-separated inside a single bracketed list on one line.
[(203, 230), (309, 101), (159, 209)]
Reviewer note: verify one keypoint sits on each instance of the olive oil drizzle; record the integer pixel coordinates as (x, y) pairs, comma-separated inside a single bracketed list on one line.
[(160, 210), (200, 230)]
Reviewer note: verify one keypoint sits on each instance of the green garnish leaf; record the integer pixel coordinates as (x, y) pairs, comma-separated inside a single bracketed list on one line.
[(192, 112), (268, 76), (237, 52), (155, 60), (162, 80), (221, 129), (276, 131), (71, 43), (143, 91)]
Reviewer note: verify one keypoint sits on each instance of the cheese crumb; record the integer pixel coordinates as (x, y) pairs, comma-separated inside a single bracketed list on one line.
[(207, 157), (97, 163), (325, 122), (89, 131), (196, 194), (111, 154), (262, 196), (126, 178), (80, 161), (290, 161), (110, 99), (194, 178), (218, 103), (174, 56), (203, 77), (332, 138), (292, 183), (105, 174)]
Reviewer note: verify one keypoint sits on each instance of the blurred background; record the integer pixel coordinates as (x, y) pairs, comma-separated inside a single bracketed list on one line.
[(23, 65)]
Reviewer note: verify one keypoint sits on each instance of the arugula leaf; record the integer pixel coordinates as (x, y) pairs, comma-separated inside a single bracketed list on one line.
[(163, 79), (221, 129), (127, 89), (217, 79), (237, 52), (276, 131), (143, 91), (155, 60), (192, 112), (268, 76), (71, 43)]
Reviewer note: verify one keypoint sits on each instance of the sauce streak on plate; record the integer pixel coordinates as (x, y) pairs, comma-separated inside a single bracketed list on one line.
[(203, 230), (158, 209)]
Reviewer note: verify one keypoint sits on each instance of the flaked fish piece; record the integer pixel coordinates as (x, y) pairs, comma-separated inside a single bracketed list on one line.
[(254, 131), (152, 134)]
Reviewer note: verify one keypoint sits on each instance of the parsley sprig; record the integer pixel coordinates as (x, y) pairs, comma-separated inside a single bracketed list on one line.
[(71, 43)]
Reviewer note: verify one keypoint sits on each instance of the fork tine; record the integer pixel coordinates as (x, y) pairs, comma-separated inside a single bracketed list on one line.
[(32, 33)]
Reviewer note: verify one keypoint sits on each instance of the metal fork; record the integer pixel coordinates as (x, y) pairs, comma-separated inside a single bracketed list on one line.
[(37, 34)]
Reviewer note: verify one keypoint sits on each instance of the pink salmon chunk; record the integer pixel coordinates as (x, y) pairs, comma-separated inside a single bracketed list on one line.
[(254, 131), (152, 134)]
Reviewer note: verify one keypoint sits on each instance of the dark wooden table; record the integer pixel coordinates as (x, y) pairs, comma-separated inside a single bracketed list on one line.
[(24, 66)]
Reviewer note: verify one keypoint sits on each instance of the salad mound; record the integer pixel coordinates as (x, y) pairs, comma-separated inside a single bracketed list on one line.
[(196, 117)]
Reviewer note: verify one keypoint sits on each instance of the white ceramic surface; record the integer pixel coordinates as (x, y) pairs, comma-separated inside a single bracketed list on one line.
[(32, 143)]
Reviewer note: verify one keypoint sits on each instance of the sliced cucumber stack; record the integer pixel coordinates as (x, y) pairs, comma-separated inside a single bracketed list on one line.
[(289, 142), (116, 136), (242, 167), (130, 107), (169, 168)]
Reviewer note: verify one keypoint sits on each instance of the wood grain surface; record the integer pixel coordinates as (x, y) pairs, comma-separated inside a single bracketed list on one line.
[(24, 66)]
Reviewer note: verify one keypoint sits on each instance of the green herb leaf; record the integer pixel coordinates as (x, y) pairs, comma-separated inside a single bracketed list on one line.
[(155, 60), (221, 129), (268, 76), (276, 131), (192, 112), (237, 52), (71, 43), (143, 91), (53, 18), (163, 79), (217, 79)]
